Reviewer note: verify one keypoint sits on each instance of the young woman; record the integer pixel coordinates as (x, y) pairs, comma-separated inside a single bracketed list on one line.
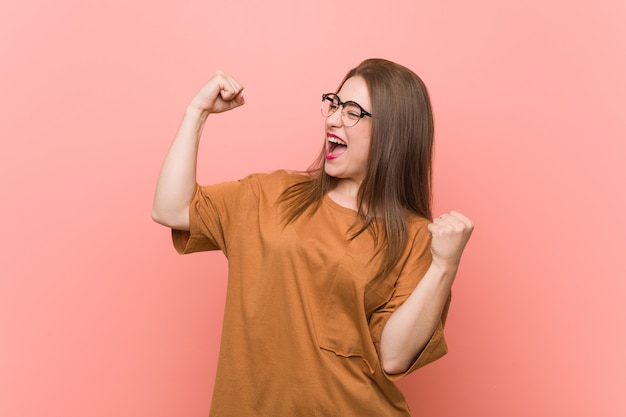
[(339, 279)]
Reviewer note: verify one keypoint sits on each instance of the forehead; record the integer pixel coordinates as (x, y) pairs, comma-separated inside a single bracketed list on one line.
[(355, 89)]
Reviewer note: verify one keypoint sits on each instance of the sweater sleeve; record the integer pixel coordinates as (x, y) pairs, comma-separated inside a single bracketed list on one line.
[(213, 218)]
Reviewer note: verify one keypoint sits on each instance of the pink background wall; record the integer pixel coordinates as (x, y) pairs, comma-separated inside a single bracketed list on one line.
[(99, 316)]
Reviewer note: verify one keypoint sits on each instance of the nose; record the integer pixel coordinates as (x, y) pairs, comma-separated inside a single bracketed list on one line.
[(335, 119)]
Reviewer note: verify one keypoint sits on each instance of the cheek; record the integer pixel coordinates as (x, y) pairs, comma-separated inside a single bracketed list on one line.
[(366, 146), (364, 151)]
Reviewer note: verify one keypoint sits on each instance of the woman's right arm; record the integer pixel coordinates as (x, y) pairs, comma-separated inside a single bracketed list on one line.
[(177, 180)]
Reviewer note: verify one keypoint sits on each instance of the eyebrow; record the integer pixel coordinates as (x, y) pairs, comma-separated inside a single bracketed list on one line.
[(354, 102)]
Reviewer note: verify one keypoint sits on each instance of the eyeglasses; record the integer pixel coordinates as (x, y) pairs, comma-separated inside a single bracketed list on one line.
[(351, 114)]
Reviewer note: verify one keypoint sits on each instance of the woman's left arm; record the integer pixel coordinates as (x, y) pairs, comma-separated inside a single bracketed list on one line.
[(411, 326)]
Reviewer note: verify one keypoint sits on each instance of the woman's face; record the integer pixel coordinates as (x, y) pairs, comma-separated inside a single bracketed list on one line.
[(347, 148)]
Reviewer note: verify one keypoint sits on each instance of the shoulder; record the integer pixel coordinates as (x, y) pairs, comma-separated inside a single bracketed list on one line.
[(417, 223), (419, 236), (277, 179), (272, 183)]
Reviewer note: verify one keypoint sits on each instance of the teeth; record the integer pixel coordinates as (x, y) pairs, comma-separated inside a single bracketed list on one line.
[(337, 141)]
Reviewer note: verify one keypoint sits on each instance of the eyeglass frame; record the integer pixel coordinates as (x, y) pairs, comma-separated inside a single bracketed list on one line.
[(343, 104)]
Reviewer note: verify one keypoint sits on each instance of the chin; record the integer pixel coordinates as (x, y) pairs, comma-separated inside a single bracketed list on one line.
[(330, 172)]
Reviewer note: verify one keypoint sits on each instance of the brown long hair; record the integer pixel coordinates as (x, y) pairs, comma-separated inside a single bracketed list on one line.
[(398, 181)]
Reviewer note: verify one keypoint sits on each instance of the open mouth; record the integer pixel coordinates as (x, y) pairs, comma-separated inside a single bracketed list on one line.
[(335, 147)]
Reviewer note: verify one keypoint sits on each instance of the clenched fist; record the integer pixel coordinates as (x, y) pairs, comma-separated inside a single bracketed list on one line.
[(219, 94), (450, 233)]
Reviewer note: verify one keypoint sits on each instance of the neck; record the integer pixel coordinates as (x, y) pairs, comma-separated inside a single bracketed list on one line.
[(345, 193)]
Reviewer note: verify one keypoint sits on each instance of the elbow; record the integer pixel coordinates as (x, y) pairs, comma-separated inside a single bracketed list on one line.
[(159, 218), (171, 220), (394, 367), (399, 360), (395, 355)]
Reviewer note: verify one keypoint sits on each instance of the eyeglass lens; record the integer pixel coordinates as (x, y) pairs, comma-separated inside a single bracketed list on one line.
[(351, 113)]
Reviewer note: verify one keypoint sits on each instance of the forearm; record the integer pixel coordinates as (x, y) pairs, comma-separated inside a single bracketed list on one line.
[(412, 325), (177, 179)]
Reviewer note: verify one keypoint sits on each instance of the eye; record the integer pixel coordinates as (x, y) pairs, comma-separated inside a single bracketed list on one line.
[(353, 111), (331, 102)]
